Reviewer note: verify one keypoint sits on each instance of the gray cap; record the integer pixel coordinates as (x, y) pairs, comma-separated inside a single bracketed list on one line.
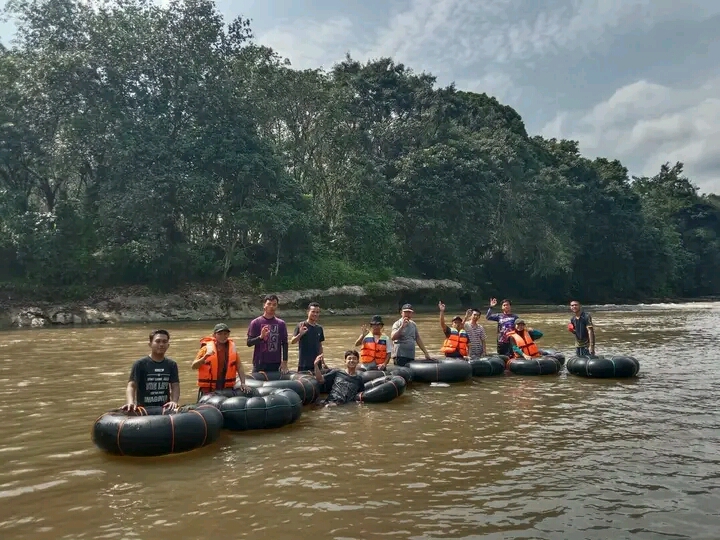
[(221, 327), (519, 321)]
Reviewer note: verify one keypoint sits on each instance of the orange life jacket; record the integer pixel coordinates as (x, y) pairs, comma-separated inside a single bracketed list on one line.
[(525, 343), (208, 372), (374, 351), (457, 341)]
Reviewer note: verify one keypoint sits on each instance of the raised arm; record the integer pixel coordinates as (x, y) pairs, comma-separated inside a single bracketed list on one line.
[(300, 331), (318, 373), (363, 333), (200, 358)]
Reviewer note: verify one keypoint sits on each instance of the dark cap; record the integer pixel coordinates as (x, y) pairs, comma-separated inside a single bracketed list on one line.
[(221, 327), (519, 321), (457, 318), (407, 307), (377, 319)]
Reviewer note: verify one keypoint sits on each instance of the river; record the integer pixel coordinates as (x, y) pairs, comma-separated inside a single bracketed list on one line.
[(554, 457)]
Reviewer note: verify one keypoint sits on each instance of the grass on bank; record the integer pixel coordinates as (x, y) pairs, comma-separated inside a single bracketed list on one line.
[(315, 274)]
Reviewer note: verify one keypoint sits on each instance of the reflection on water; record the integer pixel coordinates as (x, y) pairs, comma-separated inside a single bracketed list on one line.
[(507, 457)]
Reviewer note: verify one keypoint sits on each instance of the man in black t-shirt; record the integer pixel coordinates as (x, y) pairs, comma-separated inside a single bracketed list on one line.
[(341, 385), (309, 335), (154, 380), (581, 325)]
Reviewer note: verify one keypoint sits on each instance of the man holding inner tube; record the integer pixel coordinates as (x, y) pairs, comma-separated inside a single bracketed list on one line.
[(154, 379)]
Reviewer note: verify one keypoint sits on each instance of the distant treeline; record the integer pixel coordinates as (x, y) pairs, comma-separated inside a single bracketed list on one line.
[(148, 145)]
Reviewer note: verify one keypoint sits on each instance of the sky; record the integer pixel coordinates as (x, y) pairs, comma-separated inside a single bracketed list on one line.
[(632, 80)]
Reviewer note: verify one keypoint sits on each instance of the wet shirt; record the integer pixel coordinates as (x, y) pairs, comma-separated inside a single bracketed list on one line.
[(153, 380), (342, 386), (309, 345), (581, 324), (505, 324), (268, 351)]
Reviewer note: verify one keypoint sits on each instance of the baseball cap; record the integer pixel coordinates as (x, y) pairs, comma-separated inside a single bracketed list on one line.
[(221, 327), (519, 321), (407, 307)]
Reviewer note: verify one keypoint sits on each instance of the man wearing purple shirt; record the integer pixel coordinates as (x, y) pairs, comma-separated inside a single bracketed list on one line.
[(506, 323), (269, 336)]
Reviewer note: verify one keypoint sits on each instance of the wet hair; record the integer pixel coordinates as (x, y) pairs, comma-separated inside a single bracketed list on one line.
[(352, 353), (270, 298), (156, 332), (506, 300), (475, 310), (577, 301), (312, 305)]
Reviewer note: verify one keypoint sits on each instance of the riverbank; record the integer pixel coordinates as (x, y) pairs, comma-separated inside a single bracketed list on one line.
[(139, 305)]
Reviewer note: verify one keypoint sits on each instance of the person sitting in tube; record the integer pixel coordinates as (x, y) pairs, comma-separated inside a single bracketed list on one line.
[(457, 341), (376, 347), (523, 340), (342, 386)]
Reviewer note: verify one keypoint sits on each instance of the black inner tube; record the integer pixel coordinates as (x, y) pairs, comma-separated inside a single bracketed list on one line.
[(152, 432)]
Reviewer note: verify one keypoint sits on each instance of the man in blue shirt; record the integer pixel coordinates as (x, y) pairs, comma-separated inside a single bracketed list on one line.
[(506, 324)]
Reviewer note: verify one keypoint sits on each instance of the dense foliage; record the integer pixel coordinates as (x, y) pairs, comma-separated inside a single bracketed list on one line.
[(155, 145)]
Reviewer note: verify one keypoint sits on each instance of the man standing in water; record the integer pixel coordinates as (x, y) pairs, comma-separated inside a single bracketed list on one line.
[(376, 347), (457, 342), (218, 363), (341, 386), (154, 379), (582, 326), (405, 335), (309, 336), (476, 333), (506, 323), (269, 336)]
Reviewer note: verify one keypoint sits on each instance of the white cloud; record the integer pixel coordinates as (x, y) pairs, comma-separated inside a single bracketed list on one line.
[(645, 124), (456, 39), (494, 83), (465, 31), (487, 46), (310, 44)]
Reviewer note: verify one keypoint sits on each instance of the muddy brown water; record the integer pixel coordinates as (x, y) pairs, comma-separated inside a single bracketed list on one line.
[(507, 457)]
